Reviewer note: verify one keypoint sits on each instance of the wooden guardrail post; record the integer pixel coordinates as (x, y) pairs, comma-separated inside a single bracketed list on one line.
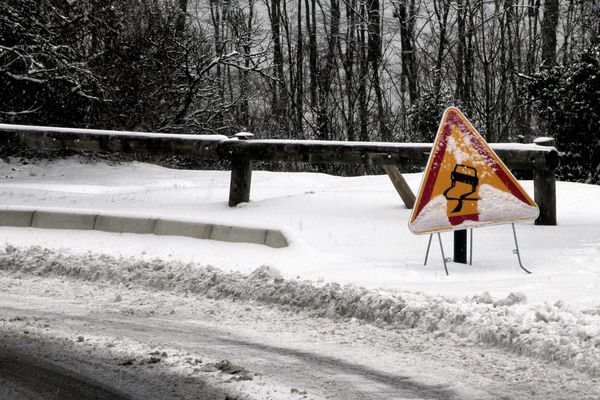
[(406, 194), (241, 176), (544, 185)]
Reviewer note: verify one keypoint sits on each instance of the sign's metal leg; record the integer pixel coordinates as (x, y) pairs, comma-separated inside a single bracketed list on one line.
[(471, 247), (517, 252), (428, 246), (443, 255)]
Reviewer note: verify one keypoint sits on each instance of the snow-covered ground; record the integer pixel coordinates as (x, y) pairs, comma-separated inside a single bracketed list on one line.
[(176, 345), (345, 230), (351, 257)]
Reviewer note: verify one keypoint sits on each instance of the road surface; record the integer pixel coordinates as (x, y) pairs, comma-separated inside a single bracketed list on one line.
[(62, 337)]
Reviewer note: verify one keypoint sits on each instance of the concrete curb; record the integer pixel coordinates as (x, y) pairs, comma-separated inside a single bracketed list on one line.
[(54, 219)]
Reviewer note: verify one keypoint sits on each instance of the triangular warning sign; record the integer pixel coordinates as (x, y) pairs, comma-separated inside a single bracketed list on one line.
[(465, 184)]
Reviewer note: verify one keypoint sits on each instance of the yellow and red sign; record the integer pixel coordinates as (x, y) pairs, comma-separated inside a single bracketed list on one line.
[(465, 184)]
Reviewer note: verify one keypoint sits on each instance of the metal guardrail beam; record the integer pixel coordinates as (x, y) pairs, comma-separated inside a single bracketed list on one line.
[(516, 156), (542, 158), (105, 141)]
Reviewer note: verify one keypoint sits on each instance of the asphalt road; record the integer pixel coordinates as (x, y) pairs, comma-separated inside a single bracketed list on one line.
[(25, 377), (28, 377), (66, 339)]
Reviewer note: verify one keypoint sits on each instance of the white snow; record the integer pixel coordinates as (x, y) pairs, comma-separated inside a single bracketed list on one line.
[(102, 132), (433, 216), (348, 230), (296, 349), (458, 151), (497, 205), (343, 231), (553, 332), (424, 146)]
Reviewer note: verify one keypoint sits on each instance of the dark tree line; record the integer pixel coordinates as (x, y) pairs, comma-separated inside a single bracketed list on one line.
[(130, 64), (319, 69)]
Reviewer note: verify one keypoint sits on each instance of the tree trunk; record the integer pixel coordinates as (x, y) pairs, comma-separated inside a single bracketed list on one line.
[(311, 27), (180, 24), (406, 18), (349, 61), (244, 81), (363, 101), (299, 75), (217, 21), (460, 92), (549, 27), (469, 58), (325, 74), (374, 56), (279, 105), (443, 23)]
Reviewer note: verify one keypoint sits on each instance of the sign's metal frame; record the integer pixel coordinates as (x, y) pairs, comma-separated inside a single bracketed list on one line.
[(446, 260)]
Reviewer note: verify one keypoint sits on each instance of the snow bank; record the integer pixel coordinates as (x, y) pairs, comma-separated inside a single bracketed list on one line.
[(548, 331)]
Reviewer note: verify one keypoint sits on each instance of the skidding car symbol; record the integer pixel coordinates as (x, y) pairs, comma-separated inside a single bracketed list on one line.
[(463, 174)]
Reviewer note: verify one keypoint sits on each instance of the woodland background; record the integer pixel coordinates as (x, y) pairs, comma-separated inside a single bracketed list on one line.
[(369, 70)]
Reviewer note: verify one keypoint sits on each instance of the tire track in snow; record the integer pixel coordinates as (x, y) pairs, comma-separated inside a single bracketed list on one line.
[(343, 379), (552, 332), (125, 325)]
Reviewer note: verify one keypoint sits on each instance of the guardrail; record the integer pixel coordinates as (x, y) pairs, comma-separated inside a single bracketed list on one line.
[(540, 157)]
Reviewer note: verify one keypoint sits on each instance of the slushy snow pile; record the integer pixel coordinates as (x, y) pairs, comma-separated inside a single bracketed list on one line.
[(548, 331)]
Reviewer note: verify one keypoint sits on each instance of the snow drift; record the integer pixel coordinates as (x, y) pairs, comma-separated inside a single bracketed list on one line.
[(548, 331)]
